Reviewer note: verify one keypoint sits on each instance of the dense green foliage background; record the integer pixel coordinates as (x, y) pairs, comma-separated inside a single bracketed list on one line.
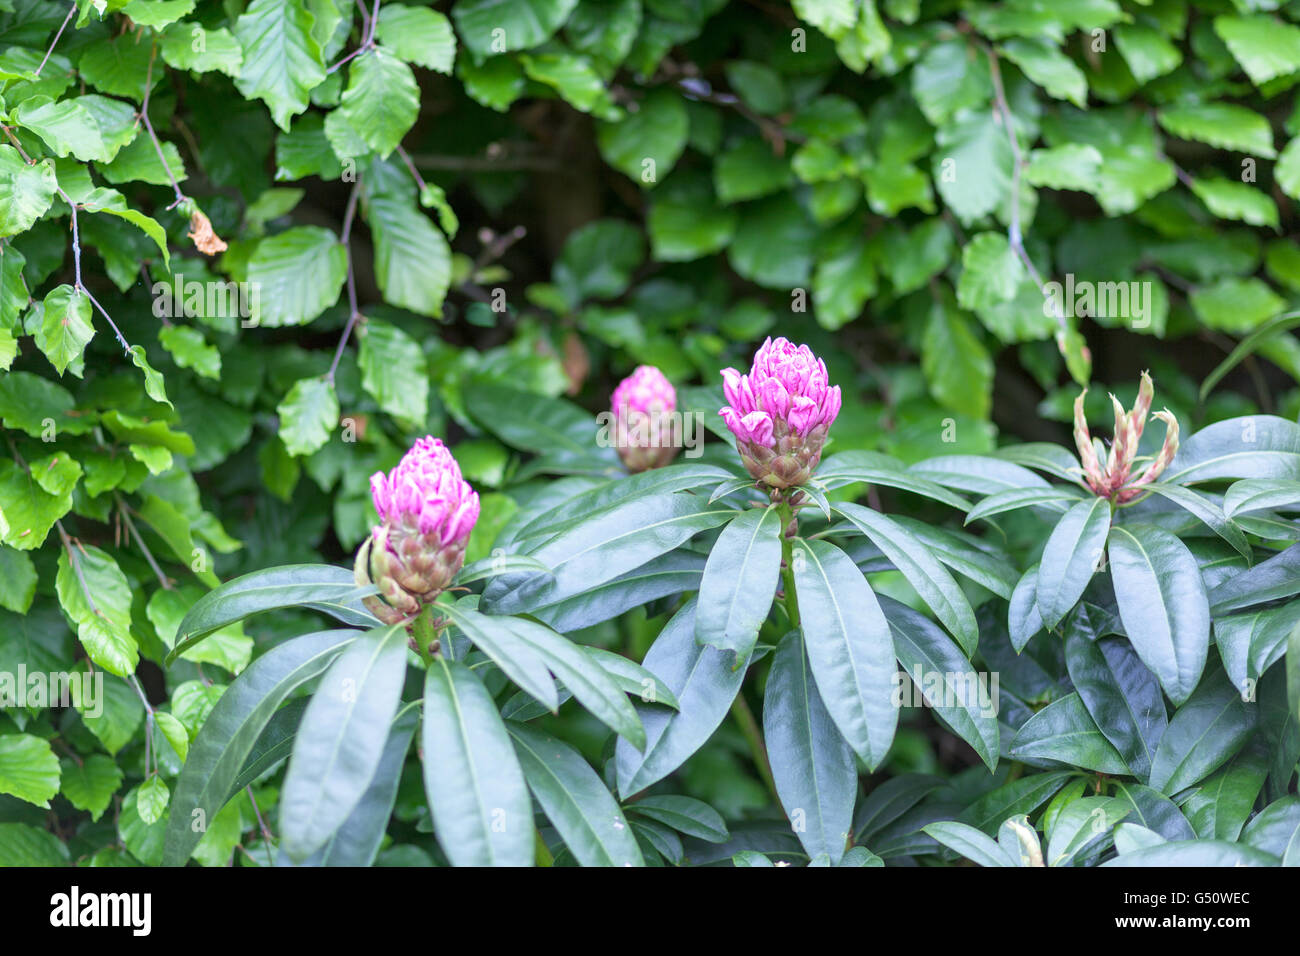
[(600, 184)]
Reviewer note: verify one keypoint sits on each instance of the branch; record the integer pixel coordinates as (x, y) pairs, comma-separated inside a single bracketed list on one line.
[(354, 312), (62, 26), (157, 146), (125, 512), (415, 173), (76, 564), (368, 27), (1014, 234)]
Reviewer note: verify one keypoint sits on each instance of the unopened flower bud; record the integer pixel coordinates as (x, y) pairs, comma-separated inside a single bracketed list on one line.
[(427, 511), (1157, 466), (643, 406), (780, 412), (1083, 441), (1114, 482)]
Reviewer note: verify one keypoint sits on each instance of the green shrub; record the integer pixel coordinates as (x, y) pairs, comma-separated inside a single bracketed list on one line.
[(251, 251)]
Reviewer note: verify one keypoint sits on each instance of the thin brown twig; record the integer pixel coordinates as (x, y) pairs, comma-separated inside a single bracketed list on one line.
[(354, 311), (62, 26), (125, 512), (368, 27), (148, 125), (1015, 235), (415, 173)]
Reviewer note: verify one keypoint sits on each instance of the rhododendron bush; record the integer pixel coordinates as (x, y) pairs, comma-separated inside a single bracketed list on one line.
[(649, 432)]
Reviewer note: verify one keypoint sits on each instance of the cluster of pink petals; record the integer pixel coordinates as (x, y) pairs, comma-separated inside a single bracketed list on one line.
[(1115, 479), (645, 390), (787, 383), (426, 493)]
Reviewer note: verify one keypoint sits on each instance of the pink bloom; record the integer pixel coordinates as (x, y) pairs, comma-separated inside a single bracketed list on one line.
[(427, 511), (780, 412), (644, 407), (426, 492)]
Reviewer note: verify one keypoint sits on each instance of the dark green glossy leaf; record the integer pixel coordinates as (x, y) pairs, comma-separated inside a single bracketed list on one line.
[(814, 769), (596, 551), (323, 586), (739, 582), (946, 679), (1163, 605), (1070, 557), (849, 646), (684, 814), (482, 814), (574, 800), (705, 683), (1122, 696), (930, 579), (234, 726), (341, 738), (1203, 735), (1064, 733)]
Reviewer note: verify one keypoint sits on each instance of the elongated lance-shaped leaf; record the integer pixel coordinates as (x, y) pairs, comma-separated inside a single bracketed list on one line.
[(1122, 695), (849, 467), (979, 474), (1021, 796), (1162, 603), (357, 841), (599, 550), (1064, 732), (966, 701), (585, 679), (1261, 494), (517, 659), (930, 578), (585, 505), (274, 744), (633, 678), (971, 843), (235, 724), (1153, 810), (814, 769), (573, 798), (971, 557), (739, 582), (1195, 853), (1257, 446), (482, 815), (341, 739), (685, 815), (1203, 734), (673, 573), (1042, 456), (505, 564), (1210, 514), (1271, 580), (705, 683), (324, 587), (1070, 557), (1057, 498), (849, 646)]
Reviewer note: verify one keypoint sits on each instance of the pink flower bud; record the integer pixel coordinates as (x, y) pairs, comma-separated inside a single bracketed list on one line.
[(780, 412), (1160, 462), (644, 405), (1087, 454), (427, 511), (1142, 408), (1115, 481)]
